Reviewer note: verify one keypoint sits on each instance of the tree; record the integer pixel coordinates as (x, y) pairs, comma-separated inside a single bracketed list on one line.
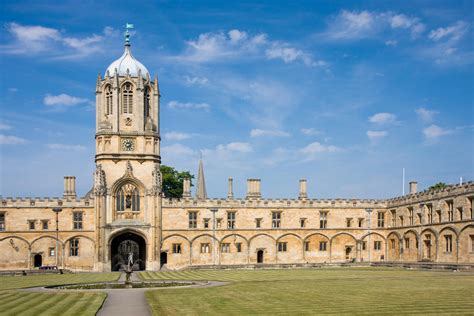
[(173, 181), (437, 186)]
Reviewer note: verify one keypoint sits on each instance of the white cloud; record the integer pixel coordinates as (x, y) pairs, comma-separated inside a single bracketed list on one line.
[(188, 105), (176, 136), (310, 131), (425, 114), (196, 80), (236, 36), (4, 126), (373, 135), (11, 140), (177, 150), (453, 32), (64, 100), (433, 132), (66, 147), (383, 118), (314, 150), (236, 146), (290, 54), (256, 132), (391, 43)]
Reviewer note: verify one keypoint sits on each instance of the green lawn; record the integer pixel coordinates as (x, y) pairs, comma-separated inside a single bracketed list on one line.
[(317, 291), (13, 302)]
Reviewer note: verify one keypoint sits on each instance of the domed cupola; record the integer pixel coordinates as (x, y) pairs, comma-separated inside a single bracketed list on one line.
[(127, 64)]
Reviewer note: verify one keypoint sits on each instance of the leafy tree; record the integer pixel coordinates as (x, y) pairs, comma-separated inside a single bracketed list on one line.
[(437, 186), (173, 181)]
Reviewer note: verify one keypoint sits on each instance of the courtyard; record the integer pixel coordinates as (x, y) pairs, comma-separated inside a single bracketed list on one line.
[(349, 290)]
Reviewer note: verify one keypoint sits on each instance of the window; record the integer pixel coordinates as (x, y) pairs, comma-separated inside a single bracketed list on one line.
[(392, 243), (306, 246), (323, 219), (348, 222), (407, 243), (402, 221), (438, 212), (205, 248), (450, 210), (206, 223), (276, 219), (127, 98), (377, 245), (460, 212), (225, 247), (108, 100), (420, 218), (361, 222), (77, 220), (192, 219), (31, 224), (238, 246), (364, 245), (44, 224), (219, 223), (323, 245), (74, 247), (394, 218), (472, 242), (230, 220), (146, 102), (2, 222), (449, 243), (471, 209), (176, 248), (128, 198), (282, 247), (410, 216), (430, 213), (52, 252), (380, 219), (258, 222), (302, 222)]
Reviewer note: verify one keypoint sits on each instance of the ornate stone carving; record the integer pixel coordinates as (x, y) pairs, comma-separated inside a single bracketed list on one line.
[(157, 180), (100, 187)]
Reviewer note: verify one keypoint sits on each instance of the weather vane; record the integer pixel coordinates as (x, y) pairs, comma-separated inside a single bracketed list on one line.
[(128, 26)]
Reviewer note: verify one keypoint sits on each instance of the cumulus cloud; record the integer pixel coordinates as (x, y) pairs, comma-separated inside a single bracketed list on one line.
[(433, 132), (453, 32), (11, 140), (64, 100), (256, 132), (67, 147), (188, 105), (235, 146), (383, 118), (426, 115), (176, 136), (290, 54), (196, 80), (310, 131), (315, 149), (374, 135), (4, 126)]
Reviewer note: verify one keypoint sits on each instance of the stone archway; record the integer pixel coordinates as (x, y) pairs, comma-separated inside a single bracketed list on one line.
[(122, 245)]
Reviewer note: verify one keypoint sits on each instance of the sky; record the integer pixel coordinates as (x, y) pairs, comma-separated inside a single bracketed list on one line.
[(342, 93)]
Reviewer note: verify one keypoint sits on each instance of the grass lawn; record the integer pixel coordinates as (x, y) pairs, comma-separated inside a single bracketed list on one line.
[(13, 302), (317, 291)]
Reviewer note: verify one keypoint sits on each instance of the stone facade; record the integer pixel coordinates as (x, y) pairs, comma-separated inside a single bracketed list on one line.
[(125, 211)]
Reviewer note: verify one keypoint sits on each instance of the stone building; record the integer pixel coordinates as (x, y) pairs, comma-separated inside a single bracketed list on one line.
[(125, 211)]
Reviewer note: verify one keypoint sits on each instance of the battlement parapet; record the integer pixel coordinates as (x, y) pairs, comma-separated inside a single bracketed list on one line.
[(45, 202)]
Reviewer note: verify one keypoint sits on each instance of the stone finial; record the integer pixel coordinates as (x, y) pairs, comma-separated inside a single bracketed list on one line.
[(413, 187), (253, 188), (230, 193), (201, 183), (186, 188), (303, 189)]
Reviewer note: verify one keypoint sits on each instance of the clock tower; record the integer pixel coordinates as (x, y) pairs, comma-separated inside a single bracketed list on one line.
[(127, 184)]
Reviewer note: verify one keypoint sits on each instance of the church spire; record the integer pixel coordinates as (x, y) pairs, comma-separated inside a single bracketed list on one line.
[(201, 183)]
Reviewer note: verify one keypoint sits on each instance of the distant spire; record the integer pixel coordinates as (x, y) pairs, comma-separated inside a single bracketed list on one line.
[(201, 183)]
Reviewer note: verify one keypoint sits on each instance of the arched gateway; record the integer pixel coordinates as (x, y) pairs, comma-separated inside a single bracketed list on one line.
[(122, 245)]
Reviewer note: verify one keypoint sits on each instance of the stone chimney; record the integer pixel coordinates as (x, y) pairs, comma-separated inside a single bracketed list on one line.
[(303, 189), (230, 193), (186, 188), (413, 187), (69, 187), (253, 188)]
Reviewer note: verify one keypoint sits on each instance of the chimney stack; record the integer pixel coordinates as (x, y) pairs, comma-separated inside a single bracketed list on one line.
[(230, 193), (303, 189), (186, 188), (253, 188), (69, 187), (413, 187)]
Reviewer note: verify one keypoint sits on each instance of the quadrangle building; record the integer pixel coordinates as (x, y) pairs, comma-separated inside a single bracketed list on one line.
[(125, 211)]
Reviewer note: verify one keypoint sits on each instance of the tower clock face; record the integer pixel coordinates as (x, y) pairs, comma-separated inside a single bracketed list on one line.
[(128, 144)]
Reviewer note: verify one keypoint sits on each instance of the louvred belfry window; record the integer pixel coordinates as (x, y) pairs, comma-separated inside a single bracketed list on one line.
[(147, 102), (127, 99), (108, 100)]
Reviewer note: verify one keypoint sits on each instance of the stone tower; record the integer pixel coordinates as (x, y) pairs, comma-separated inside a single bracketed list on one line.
[(127, 178)]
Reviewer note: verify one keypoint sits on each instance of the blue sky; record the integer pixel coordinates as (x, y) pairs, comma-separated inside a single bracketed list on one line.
[(344, 94)]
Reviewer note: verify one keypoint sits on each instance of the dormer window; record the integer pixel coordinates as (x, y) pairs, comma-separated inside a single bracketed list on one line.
[(108, 100), (127, 99)]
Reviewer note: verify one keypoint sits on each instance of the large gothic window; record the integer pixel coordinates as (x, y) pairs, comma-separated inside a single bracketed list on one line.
[(108, 100), (128, 199), (127, 98), (147, 102)]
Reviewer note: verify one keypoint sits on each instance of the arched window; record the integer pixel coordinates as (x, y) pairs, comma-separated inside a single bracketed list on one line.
[(108, 100), (128, 199), (146, 102), (127, 98)]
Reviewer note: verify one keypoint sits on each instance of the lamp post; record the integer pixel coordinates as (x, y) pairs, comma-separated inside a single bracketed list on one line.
[(213, 210), (57, 210), (368, 210)]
